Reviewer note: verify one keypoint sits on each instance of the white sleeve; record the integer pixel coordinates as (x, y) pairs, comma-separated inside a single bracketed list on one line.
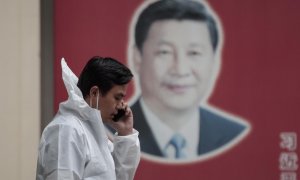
[(61, 154), (126, 155)]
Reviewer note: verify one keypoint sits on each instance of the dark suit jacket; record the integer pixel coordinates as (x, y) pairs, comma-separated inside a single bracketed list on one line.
[(215, 131)]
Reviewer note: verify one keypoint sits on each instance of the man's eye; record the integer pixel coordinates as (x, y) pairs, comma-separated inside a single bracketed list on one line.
[(118, 98), (163, 52), (194, 53)]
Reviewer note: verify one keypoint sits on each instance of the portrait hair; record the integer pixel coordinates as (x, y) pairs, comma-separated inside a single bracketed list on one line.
[(174, 10)]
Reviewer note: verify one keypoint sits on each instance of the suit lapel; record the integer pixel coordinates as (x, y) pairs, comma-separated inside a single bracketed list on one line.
[(147, 140), (216, 131)]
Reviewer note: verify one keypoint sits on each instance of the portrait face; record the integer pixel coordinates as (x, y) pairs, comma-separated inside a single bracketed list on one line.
[(175, 64), (109, 102)]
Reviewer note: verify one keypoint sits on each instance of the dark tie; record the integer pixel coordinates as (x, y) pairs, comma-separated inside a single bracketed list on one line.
[(179, 144)]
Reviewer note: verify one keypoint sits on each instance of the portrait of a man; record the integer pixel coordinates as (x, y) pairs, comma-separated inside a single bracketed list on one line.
[(175, 49)]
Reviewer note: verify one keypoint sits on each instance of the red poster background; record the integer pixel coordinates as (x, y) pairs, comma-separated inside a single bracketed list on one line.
[(259, 78)]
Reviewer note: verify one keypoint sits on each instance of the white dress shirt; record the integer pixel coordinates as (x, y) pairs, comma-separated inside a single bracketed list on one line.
[(163, 133)]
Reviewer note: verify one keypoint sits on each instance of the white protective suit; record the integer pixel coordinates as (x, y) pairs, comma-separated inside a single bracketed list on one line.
[(75, 144)]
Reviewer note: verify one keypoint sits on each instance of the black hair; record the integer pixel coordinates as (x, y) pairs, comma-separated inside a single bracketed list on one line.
[(103, 72), (174, 9)]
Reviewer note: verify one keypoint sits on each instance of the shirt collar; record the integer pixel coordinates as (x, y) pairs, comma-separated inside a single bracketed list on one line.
[(163, 133), (157, 126)]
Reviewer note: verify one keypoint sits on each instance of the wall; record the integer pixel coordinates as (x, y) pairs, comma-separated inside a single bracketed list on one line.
[(20, 88)]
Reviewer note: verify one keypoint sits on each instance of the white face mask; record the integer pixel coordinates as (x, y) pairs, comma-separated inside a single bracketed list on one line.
[(97, 102)]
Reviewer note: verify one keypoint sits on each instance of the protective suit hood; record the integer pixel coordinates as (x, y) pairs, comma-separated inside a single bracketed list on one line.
[(78, 106), (75, 102)]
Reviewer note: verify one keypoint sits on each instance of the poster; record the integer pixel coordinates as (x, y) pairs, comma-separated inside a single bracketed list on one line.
[(256, 82)]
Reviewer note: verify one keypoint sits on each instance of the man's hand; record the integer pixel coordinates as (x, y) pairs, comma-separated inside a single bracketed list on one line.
[(124, 126)]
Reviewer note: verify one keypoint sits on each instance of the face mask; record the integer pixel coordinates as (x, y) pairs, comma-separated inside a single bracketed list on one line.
[(97, 102)]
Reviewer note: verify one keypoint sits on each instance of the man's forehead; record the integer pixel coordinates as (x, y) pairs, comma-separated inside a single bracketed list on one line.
[(167, 28), (119, 89), (178, 22), (193, 33)]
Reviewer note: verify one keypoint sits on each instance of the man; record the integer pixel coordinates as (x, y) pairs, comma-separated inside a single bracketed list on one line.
[(75, 145), (175, 55)]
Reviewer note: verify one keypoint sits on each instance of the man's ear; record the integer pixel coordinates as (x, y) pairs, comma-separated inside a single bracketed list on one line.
[(94, 91), (137, 59)]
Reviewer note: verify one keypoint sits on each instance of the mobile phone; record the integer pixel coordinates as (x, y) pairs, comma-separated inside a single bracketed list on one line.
[(121, 113)]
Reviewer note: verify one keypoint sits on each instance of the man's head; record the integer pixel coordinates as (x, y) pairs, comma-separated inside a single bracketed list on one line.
[(103, 83), (174, 10), (176, 43)]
